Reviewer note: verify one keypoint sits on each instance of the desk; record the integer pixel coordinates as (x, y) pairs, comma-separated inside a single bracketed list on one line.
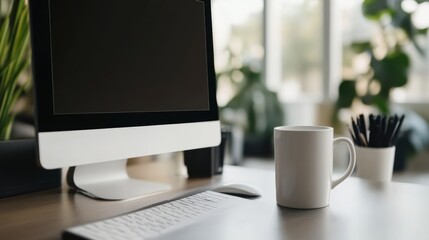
[(358, 210)]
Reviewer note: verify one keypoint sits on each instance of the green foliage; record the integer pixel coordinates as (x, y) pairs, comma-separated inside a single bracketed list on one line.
[(260, 106), (390, 70), (14, 37), (347, 93), (374, 9), (263, 111)]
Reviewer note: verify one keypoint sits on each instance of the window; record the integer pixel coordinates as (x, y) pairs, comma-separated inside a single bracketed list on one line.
[(294, 49), (302, 47), (238, 41), (306, 48)]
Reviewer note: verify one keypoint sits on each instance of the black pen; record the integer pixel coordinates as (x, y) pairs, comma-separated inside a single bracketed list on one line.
[(391, 124), (395, 136), (371, 130), (377, 131), (383, 129), (362, 126), (356, 132)]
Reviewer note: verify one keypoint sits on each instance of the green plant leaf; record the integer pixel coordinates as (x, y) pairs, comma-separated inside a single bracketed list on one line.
[(6, 128), (374, 9), (4, 36), (360, 47), (14, 38), (381, 103), (392, 70), (347, 93), (17, 7)]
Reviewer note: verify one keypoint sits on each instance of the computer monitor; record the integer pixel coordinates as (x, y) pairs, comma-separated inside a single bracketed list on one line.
[(120, 79)]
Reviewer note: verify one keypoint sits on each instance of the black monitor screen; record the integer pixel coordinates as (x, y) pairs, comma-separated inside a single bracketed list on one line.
[(112, 56)]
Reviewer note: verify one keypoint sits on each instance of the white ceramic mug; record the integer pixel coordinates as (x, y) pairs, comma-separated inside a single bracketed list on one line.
[(304, 165)]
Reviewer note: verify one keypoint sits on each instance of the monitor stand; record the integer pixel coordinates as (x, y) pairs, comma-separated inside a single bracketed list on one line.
[(110, 181)]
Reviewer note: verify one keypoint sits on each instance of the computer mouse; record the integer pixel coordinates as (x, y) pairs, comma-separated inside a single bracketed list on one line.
[(238, 189)]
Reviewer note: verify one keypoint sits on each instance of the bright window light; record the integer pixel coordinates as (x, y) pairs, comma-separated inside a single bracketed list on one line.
[(420, 17)]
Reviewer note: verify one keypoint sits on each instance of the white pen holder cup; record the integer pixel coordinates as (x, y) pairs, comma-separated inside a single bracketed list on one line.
[(375, 163)]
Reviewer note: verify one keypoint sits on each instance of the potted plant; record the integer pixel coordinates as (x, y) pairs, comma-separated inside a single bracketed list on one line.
[(19, 171), (388, 69), (253, 108), (14, 59)]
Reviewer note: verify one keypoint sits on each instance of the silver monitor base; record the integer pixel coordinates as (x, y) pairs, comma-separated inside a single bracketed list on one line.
[(110, 181)]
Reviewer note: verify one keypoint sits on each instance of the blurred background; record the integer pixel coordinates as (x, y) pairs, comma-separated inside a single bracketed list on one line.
[(302, 62), (298, 62)]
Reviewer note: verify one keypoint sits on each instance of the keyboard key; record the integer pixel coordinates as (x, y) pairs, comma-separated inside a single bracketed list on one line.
[(155, 221)]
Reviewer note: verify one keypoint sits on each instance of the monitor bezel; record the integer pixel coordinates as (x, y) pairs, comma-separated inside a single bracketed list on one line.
[(47, 121)]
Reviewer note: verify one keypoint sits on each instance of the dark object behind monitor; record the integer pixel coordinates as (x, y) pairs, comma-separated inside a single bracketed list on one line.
[(206, 162), (19, 171)]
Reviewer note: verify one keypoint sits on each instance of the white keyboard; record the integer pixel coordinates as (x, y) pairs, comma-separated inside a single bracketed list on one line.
[(155, 221)]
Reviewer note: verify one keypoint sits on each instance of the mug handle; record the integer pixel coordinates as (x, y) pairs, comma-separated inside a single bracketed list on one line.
[(352, 160)]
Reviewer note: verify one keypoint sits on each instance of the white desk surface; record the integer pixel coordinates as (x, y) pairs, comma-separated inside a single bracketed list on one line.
[(358, 210)]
